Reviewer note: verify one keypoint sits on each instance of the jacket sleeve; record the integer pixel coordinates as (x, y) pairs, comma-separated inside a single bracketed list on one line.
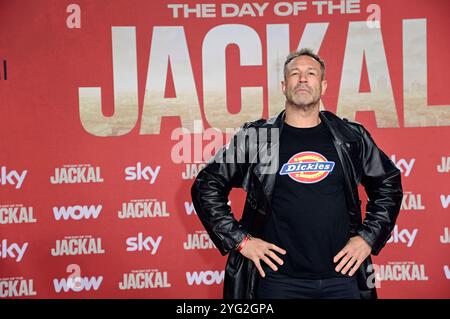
[(210, 192), (382, 182)]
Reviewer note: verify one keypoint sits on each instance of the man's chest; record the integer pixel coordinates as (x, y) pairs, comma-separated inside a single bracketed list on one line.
[(311, 163)]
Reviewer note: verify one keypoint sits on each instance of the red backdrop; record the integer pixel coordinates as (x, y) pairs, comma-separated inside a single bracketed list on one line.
[(91, 95)]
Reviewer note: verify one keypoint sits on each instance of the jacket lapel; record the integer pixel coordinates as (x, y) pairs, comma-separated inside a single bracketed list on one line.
[(344, 139), (266, 175)]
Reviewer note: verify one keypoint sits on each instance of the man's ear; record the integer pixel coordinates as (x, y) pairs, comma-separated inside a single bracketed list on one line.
[(283, 87), (324, 86)]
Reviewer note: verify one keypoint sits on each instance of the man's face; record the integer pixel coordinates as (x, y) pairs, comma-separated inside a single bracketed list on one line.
[(303, 85)]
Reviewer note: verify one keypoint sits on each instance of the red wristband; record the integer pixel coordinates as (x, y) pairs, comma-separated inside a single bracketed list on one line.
[(242, 244)]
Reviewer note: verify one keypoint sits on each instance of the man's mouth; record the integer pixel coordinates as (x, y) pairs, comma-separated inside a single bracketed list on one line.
[(304, 90)]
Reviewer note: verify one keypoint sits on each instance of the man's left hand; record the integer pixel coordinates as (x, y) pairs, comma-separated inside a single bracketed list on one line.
[(353, 254)]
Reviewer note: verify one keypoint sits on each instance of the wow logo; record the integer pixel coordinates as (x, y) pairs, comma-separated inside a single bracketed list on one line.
[(307, 167)]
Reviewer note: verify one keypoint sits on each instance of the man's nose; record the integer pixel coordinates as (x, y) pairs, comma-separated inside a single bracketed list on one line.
[(302, 78)]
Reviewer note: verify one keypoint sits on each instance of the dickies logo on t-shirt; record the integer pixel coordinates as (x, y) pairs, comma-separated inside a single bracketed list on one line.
[(307, 167)]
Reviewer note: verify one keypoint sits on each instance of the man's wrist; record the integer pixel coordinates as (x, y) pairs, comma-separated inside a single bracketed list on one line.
[(244, 241)]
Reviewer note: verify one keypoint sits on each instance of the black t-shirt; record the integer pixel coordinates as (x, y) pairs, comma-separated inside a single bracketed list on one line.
[(309, 213)]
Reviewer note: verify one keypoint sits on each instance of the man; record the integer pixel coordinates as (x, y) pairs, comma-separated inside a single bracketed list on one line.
[(301, 234)]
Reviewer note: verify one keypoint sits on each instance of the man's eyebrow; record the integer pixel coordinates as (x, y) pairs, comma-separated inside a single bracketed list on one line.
[(308, 69)]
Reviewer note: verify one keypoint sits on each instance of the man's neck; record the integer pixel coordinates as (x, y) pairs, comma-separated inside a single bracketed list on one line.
[(302, 117)]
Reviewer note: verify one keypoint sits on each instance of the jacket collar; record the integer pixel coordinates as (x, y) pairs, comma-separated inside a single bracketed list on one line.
[(338, 127)]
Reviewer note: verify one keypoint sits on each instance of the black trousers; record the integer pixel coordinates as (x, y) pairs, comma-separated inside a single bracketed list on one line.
[(280, 286)]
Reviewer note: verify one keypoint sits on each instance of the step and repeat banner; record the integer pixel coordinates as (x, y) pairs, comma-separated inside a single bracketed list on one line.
[(110, 108)]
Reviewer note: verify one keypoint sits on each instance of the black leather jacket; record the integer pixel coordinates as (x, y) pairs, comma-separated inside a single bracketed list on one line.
[(362, 161)]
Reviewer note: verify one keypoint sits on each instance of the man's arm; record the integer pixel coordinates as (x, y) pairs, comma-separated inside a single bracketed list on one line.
[(211, 189), (382, 182)]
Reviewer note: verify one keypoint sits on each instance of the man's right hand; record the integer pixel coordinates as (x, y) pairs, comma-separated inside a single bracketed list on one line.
[(257, 249)]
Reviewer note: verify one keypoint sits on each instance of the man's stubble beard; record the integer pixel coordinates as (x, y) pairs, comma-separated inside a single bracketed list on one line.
[(305, 106)]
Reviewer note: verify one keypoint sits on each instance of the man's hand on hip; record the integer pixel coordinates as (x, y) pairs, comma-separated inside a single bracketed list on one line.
[(353, 254), (257, 249)]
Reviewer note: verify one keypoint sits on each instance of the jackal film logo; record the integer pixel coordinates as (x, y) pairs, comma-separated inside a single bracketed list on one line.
[(16, 214), (16, 287), (76, 173)]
